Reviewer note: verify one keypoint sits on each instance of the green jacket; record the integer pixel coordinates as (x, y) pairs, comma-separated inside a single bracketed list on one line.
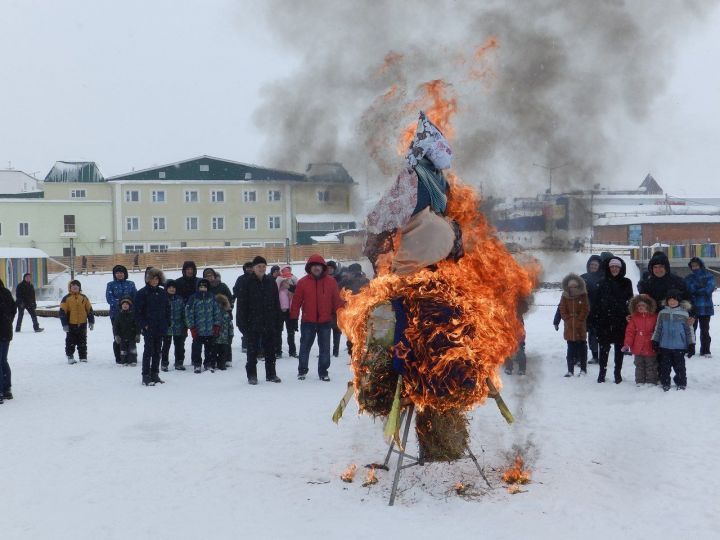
[(203, 312), (226, 331), (177, 316), (125, 325)]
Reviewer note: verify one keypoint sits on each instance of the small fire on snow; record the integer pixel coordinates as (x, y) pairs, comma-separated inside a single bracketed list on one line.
[(349, 474), (461, 488), (371, 478), (516, 475)]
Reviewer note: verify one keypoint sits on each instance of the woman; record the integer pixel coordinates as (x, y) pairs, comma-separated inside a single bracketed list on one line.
[(8, 309)]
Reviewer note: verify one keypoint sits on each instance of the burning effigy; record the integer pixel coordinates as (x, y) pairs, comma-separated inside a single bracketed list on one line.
[(441, 315)]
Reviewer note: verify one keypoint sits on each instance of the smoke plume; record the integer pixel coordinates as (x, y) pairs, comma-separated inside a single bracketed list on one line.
[(545, 82)]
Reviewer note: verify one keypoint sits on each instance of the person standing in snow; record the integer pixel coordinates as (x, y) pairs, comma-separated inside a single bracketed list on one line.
[(674, 339), (574, 310), (610, 315), (8, 309), (117, 289), (353, 280), (701, 285), (317, 296), (334, 272), (187, 283), (152, 312), (638, 339), (592, 278), (76, 317), (221, 347), (237, 293), (286, 283), (127, 333), (204, 319), (25, 298), (176, 332), (658, 280)]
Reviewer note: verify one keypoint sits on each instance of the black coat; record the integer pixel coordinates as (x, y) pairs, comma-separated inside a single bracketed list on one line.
[(223, 289), (658, 287), (186, 286), (25, 294), (152, 310), (610, 310), (125, 325), (8, 309), (259, 305), (238, 293)]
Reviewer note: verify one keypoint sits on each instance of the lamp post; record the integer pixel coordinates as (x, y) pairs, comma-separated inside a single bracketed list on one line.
[(550, 169)]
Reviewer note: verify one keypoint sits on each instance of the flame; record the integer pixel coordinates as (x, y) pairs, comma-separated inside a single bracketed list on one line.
[(349, 474), (461, 488), (391, 60), (517, 474), (371, 478), (439, 104), (480, 69)]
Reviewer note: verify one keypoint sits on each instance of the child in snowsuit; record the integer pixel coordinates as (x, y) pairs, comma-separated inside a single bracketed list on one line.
[(674, 338), (638, 338), (574, 310), (204, 319), (76, 316), (221, 348), (127, 333), (177, 331)]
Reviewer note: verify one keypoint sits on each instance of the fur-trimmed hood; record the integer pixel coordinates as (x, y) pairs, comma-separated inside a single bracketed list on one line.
[(645, 299), (567, 279), (154, 272), (223, 301), (684, 304)]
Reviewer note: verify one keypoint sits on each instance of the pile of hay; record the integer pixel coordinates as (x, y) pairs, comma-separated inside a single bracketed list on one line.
[(442, 436), (376, 381)]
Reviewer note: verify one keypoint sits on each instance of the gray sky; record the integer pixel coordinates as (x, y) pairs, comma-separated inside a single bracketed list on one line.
[(137, 83)]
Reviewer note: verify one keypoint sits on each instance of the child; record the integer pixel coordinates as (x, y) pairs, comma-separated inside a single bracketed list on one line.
[(152, 311), (638, 336), (177, 332), (127, 333), (76, 316), (204, 319), (286, 283), (221, 348), (674, 338), (574, 310)]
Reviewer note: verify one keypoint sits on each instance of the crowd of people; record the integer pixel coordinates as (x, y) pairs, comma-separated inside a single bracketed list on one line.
[(600, 312)]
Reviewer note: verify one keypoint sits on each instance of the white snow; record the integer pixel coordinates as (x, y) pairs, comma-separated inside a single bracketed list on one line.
[(325, 218), (671, 218), (89, 453), (22, 253)]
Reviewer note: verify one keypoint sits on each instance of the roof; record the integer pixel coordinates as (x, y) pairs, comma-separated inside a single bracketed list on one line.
[(22, 253), (325, 218), (75, 171), (13, 182), (209, 168), (328, 172), (672, 218), (650, 186)]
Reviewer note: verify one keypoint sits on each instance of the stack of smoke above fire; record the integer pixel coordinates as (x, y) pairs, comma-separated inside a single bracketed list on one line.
[(535, 82)]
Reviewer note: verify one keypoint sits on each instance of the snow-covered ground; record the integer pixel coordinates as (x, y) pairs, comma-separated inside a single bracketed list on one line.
[(90, 453)]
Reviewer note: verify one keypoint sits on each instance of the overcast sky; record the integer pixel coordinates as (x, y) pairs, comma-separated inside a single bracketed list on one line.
[(133, 84)]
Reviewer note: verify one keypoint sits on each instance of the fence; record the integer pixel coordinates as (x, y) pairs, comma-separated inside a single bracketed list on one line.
[(173, 260)]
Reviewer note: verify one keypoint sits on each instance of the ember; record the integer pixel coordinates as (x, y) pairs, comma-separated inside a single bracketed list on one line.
[(371, 478), (517, 474), (349, 474)]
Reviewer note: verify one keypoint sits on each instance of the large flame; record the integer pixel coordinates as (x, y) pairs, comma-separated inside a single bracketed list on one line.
[(440, 105)]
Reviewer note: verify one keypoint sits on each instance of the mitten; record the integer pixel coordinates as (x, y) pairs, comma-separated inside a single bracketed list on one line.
[(216, 330), (118, 340), (655, 345), (194, 332), (691, 350), (626, 349), (137, 338), (66, 328)]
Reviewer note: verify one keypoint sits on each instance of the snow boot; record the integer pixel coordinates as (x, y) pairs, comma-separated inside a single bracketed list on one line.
[(521, 373), (325, 378), (666, 387), (252, 380), (71, 360), (508, 371), (38, 329), (568, 374), (1, 400), (679, 388), (197, 369), (156, 379), (601, 375), (301, 376), (83, 360), (273, 378), (7, 395), (146, 381), (179, 367)]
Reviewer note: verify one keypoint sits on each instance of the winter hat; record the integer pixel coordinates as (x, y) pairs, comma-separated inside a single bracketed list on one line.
[(203, 283), (286, 271), (332, 264), (126, 300), (209, 271), (75, 282), (152, 272), (673, 293), (274, 269), (247, 265), (615, 262), (170, 283), (355, 267), (259, 260)]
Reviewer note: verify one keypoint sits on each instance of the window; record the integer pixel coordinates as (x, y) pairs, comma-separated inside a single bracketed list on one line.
[(217, 196), (323, 196), (161, 175), (69, 223), (132, 223), (183, 244), (191, 196), (134, 248), (274, 222), (250, 196), (250, 223), (78, 194), (132, 195), (67, 252), (227, 244), (158, 248), (159, 224), (275, 244), (204, 168), (218, 223), (248, 176), (24, 229), (191, 224), (158, 196), (251, 244), (274, 195)]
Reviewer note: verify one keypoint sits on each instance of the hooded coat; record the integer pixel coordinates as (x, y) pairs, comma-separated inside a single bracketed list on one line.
[(124, 324), (672, 330), (611, 307), (592, 279), (118, 289), (176, 326), (318, 297), (75, 308), (700, 285), (186, 286), (574, 309), (658, 287), (8, 309), (639, 331), (286, 287), (259, 305), (25, 294), (203, 312), (218, 287), (152, 306)]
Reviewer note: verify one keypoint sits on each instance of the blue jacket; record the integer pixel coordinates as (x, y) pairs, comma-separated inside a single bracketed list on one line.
[(177, 316), (116, 290), (203, 312), (226, 332), (701, 284), (152, 310), (672, 330)]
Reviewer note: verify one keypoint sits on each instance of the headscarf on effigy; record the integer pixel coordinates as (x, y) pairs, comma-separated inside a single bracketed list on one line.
[(429, 154)]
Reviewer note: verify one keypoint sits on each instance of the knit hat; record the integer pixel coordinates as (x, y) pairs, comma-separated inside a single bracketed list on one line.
[(332, 264), (355, 267), (673, 293), (170, 283), (258, 260), (274, 269), (615, 262), (126, 300), (286, 271), (209, 271), (203, 283), (247, 265)]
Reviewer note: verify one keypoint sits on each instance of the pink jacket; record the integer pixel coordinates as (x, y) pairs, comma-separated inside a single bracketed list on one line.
[(284, 284)]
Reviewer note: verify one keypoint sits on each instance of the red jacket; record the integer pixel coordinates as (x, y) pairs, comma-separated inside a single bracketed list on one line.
[(638, 333), (318, 297)]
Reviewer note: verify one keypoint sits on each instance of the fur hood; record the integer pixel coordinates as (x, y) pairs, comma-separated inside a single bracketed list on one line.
[(687, 306), (223, 301), (642, 298), (567, 279), (154, 272)]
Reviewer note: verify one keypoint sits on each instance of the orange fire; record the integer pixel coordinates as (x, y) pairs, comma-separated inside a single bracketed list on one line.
[(349, 474), (517, 474), (391, 59), (371, 478), (440, 105), (480, 69)]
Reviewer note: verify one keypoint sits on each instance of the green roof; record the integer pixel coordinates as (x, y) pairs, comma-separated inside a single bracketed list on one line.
[(75, 171)]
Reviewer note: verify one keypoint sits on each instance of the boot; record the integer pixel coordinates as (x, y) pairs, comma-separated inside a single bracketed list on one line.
[(156, 379), (146, 381), (38, 329), (179, 367), (7, 395), (601, 375), (70, 360), (273, 378)]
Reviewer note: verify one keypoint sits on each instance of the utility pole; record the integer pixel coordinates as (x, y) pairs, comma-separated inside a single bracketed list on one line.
[(550, 169), (72, 258)]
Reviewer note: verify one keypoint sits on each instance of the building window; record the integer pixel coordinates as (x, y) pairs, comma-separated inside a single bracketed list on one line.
[(183, 244), (191, 196), (274, 195), (218, 223), (158, 248), (161, 175), (24, 229), (67, 252), (134, 248), (250, 223), (251, 244), (205, 168), (227, 244), (78, 194), (275, 244), (69, 223), (132, 223), (250, 196), (323, 196), (217, 196), (248, 176), (158, 196), (159, 224), (132, 195), (191, 224), (274, 222)]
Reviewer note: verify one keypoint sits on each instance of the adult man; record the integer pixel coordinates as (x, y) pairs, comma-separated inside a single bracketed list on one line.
[(186, 284), (258, 316), (117, 289), (25, 299), (7, 314), (659, 280), (237, 293), (216, 284), (317, 295), (701, 285)]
